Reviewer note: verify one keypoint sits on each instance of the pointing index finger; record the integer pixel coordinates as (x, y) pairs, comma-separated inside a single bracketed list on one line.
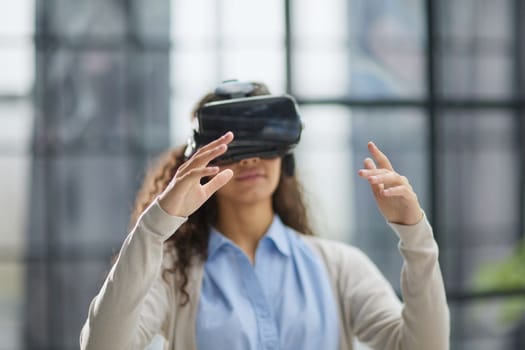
[(380, 158)]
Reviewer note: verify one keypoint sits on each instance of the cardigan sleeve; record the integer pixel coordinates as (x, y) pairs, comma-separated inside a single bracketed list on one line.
[(133, 303), (376, 315)]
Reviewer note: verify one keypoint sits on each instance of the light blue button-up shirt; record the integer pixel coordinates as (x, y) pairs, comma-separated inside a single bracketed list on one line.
[(283, 301)]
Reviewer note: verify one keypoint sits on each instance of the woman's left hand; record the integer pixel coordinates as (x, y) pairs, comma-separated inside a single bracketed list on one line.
[(395, 197)]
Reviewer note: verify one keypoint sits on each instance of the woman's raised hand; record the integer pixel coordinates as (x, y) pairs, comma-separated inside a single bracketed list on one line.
[(395, 197), (185, 194)]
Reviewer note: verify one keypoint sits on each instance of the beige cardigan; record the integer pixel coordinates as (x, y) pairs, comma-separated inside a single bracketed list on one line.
[(135, 303)]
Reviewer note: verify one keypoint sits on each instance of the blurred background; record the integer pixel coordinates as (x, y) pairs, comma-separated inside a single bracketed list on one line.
[(91, 91)]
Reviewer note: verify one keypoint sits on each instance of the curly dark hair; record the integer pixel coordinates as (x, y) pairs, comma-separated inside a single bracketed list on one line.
[(190, 241)]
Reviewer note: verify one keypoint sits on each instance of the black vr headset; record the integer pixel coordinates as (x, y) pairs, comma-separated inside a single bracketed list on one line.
[(264, 126)]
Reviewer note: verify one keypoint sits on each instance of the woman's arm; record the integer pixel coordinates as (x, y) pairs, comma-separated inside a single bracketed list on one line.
[(133, 303), (377, 316), (425, 320)]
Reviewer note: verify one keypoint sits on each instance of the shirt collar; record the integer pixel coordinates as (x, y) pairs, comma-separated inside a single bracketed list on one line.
[(216, 241), (276, 233)]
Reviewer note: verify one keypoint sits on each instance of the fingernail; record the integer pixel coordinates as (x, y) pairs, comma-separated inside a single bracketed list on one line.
[(372, 178)]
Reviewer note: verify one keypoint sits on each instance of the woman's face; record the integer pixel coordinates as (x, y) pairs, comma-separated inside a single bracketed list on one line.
[(254, 179)]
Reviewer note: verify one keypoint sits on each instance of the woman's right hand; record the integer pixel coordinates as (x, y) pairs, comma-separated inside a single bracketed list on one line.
[(185, 194)]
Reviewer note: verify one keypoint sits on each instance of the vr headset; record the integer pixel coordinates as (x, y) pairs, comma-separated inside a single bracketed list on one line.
[(264, 126)]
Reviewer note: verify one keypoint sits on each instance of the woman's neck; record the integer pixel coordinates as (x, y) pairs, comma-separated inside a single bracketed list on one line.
[(245, 224)]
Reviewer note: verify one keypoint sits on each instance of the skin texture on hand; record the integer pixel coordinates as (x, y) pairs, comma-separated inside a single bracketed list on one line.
[(394, 195), (185, 194)]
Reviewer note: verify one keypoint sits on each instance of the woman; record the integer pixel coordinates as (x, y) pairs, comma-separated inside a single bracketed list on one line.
[(223, 257)]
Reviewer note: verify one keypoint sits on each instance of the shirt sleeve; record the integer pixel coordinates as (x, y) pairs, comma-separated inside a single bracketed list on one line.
[(132, 305), (377, 316)]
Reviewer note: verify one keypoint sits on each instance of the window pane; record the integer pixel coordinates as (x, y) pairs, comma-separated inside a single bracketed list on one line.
[(15, 139), (320, 54), (56, 300), (17, 18), (468, 19), (93, 196), (103, 100), (476, 46), (151, 22), (18, 73), (16, 120), (87, 19), (478, 175), (266, 65), (194, 22), (387, 42), (193, 71), (14, 190), (368, 50), (321, 73), (313, 21), (193, 74), (147, 117), (251, 23), (11, 304), (480, 325), (82, 97)]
